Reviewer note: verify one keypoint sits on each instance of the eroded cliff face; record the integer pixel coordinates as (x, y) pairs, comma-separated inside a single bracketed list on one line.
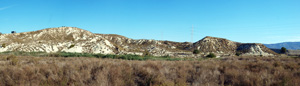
[(223, 46), (142, 46), (72, 39), (255, 49), (62, 39), (217, 45)]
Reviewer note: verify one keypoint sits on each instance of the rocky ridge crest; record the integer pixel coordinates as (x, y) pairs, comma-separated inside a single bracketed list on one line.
[(72, 39)]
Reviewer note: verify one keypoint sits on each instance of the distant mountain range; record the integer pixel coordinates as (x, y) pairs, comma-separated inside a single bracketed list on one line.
[(287, 45)]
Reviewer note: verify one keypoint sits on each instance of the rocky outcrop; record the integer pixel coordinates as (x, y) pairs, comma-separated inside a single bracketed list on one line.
[(72, 39), (226, 47), (217, 45), (62, 39), (255, 49), (157, 48)]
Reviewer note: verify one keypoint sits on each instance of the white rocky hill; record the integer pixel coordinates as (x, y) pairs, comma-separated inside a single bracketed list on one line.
[(226, 47), (72, 39), (62, 39)]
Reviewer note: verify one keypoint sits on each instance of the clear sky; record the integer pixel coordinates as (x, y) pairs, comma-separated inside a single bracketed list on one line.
[(260, 21)]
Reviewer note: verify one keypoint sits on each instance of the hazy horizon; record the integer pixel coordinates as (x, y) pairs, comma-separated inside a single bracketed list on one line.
[(247, 21)]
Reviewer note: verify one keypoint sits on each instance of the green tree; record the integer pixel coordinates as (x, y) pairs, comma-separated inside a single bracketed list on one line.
[(283, 50), (196, 51)]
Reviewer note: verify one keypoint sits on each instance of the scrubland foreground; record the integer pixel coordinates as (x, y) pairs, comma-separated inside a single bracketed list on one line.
[(86, 71)]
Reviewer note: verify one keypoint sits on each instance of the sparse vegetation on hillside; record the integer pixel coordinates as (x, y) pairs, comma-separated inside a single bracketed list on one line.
[(67, 54), (82, 71)]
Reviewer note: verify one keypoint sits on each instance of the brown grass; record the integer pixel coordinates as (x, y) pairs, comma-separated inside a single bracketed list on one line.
[(83, 71)]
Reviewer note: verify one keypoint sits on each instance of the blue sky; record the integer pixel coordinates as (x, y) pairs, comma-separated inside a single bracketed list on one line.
[(259, 21)]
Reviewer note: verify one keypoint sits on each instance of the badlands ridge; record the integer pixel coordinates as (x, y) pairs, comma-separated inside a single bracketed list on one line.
[(72, 39)]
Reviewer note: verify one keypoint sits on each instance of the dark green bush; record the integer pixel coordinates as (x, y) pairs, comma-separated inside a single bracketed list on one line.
[(211, 55), (237, 54), (3, 45), (196, 51), (71, 46), (283, 50)]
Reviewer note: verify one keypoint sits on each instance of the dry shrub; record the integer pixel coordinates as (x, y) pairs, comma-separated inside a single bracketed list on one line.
[(242, 71), (14, 60)]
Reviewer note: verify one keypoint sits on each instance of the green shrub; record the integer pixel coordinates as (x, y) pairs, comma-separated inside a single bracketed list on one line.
[(98, 55), (211, 55), (71, 46), (131, 57), (237, 54), (69, 54), (173, 59), (166, 56), (108, 56), (3, 45), (196, 51), (283, 50)]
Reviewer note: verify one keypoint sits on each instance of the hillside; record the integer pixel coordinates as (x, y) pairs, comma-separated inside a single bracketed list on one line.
[(226, 47), (72, 39), (287, 45)]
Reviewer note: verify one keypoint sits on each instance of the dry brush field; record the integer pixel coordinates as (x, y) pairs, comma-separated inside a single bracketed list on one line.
[(87, 71)]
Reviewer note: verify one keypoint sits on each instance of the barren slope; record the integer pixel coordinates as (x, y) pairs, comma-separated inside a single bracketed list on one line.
[(72, 39), (68, 39), (226, 47)]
